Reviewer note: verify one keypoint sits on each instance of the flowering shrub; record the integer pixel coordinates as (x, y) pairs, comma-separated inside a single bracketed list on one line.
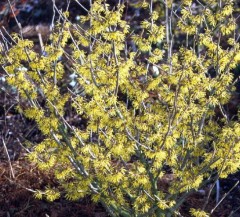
[(149, 104)]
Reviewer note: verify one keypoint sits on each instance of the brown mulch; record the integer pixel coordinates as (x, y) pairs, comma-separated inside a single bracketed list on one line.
[(16, 198)]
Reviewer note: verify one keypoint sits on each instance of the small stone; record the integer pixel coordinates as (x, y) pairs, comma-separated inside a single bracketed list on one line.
[(202, 192)]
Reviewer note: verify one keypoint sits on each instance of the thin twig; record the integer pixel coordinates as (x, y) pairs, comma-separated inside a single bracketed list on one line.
[(224, 196), (16, 20), (9, 160)]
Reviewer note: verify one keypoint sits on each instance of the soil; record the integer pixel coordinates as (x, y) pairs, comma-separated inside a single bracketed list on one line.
[(19, 178)]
